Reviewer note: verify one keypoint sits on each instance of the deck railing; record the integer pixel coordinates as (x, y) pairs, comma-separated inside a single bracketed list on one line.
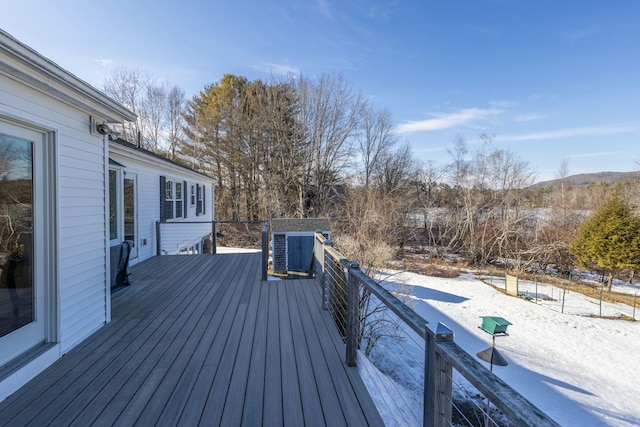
[(171, 240), (170, 236), (344, 286), (265, 249)]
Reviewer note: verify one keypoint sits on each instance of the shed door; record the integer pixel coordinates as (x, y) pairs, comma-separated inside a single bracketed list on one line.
[(299, 252)]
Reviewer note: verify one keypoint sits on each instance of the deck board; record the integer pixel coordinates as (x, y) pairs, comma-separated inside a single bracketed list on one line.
[(351, 407), (312, 407), (331, 407), (290, 395), (252, 414), (200, 340)]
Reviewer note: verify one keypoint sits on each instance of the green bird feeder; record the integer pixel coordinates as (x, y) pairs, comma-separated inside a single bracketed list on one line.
[(494, 325)]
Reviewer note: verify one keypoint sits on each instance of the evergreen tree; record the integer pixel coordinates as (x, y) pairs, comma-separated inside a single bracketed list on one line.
[(610, 239)]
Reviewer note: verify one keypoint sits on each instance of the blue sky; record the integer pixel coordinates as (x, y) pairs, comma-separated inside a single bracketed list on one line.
[(549, 79)]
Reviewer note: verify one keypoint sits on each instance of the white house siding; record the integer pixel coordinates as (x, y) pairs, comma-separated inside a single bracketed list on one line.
[(35, 93), (81, 208), (148, 170), (177, 236)]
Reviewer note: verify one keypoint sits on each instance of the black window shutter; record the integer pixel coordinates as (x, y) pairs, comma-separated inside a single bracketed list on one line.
[(163, 198), (204, 204), (185, 198)]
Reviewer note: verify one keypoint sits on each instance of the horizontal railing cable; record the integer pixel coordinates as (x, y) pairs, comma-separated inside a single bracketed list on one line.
[(348, 293)]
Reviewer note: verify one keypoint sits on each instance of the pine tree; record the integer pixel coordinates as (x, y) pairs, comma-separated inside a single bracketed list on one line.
[(610, 239)]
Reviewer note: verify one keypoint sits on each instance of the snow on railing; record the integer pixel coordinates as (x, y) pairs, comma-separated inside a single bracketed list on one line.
[(427, 353)]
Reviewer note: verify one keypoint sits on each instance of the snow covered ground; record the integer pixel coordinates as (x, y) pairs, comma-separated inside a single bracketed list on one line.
[(230, 250), (580, 370)]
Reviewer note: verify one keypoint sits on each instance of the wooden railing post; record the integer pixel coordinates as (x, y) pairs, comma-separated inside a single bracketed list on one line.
[(313, 267), (438, 381), (214, 237), (265, 249), (327, 277), (353, 314), (158, 239)]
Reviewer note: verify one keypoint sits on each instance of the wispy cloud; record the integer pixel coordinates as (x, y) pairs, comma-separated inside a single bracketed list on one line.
[(567, 133), (581, 33), (277, 69), (529, 118), (104, 62), (596, 154), (378, 12), (325, 9), (441, 121)]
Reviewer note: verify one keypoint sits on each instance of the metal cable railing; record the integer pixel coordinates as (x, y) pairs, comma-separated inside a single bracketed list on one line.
[(431, 378)]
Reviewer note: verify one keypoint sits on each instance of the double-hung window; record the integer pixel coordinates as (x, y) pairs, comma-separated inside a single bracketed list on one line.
[(179, 199), (173, 198), (200, 196), (169, 200)]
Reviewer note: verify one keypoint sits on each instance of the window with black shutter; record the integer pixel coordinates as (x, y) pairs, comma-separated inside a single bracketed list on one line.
[(173, 199)]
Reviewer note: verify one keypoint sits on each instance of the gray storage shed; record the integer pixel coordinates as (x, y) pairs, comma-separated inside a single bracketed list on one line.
[(292, 242)]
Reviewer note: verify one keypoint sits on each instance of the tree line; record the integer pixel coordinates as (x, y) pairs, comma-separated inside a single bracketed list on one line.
[(297, 146)]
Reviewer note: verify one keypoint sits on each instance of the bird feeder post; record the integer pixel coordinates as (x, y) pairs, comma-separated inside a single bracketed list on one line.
[(493, 325)]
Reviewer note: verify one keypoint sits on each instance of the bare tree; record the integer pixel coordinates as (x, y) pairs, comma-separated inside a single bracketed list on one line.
[(562, 174), (394, 169), (329, 113), (153, 113), (157, 125), (427, 177), (459, 165), (175, 121), (125, 86), (486, 213), (376, 139)]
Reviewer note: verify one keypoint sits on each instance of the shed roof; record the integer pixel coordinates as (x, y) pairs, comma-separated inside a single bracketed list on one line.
[(299, 224)]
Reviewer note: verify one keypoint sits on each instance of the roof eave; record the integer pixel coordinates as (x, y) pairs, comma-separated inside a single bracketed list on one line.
[(28, 66)]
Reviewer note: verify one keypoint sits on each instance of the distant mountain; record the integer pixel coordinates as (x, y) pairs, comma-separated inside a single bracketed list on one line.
[(583, 179)]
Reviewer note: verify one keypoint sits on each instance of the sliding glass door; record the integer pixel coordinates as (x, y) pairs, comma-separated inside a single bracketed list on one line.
[(22, 282)]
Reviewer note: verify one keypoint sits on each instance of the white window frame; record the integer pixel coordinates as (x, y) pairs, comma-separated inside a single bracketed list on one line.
[(45, 224), (179, 213), (171, 189), (119, 210), (200, 200)]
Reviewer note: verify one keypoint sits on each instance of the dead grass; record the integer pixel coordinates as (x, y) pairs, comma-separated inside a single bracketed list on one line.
[(621, 317), (427, 267), (240, 235)]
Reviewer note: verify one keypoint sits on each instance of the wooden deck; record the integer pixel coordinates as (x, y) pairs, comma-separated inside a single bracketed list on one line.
[(200, 340)]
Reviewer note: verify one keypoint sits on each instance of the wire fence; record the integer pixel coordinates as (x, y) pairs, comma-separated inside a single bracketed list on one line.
[(416, 373), (568, 300)]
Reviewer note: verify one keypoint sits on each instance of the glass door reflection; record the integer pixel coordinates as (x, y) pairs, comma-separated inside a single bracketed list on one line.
[(17, 295)]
